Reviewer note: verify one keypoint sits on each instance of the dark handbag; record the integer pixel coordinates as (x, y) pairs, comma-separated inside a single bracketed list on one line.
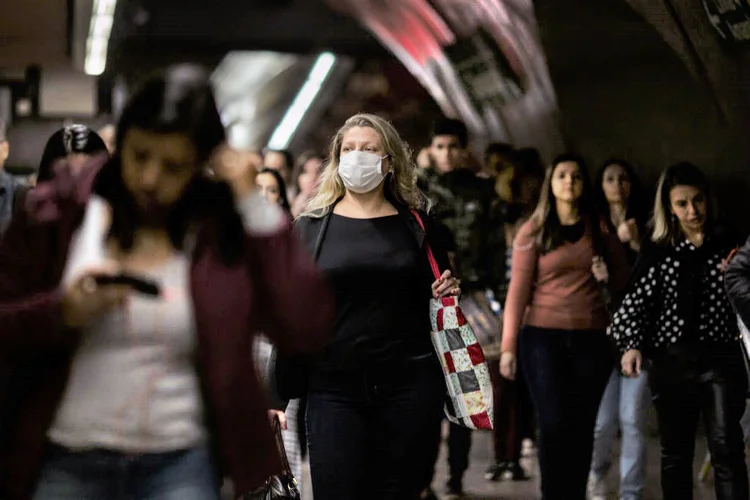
[(289, 371), (600, 250), (283, 486)]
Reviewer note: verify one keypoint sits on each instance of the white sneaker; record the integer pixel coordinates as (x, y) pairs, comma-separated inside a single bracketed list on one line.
[(527, 448), (596, 488)]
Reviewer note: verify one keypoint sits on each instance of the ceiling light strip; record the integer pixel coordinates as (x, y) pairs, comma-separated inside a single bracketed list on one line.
[(284, 132), (97, 43)]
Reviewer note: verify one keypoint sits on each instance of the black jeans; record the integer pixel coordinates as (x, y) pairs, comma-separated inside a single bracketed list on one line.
[(567, 372), (367, 431), (687, 381), (514, 414), (459, 447)]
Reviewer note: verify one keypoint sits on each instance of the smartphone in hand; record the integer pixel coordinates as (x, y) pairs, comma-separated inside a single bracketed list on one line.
[(137, 283)]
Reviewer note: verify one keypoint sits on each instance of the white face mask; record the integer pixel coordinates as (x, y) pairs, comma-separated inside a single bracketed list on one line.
[(360, 171)]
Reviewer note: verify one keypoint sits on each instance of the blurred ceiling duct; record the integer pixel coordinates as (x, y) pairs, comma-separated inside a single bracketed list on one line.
[(261, 94), (97, 42), (285, 131), (482, 61)]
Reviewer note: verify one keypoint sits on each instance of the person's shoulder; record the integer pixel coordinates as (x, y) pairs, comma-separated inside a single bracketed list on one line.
[(308, 220), (311, 221), (530, 226), (527, 233)]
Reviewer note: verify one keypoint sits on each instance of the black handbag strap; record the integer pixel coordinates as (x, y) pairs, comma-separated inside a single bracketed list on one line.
[(322, 232), (281, 447), (321, 235)]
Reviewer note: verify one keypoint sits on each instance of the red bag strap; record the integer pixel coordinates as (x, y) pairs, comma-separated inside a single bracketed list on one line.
[(430, 255)]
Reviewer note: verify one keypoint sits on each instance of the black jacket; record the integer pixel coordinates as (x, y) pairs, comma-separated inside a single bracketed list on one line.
[(288, 378), (309, 229), (737, 281), (469, 208)]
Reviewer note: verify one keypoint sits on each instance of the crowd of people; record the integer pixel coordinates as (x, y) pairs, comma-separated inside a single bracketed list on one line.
[(164, 296)]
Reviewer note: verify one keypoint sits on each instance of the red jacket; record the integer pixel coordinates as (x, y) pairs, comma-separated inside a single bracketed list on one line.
[(36, 352)]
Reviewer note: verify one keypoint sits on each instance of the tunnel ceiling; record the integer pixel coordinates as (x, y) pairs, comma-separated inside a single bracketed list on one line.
[(33, 32), (153, 31)]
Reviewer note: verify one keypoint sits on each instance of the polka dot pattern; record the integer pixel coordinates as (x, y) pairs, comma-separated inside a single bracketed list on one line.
[(649, 314)]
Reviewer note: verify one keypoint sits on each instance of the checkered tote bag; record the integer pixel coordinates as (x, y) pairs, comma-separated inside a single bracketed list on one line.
[(467, 377)]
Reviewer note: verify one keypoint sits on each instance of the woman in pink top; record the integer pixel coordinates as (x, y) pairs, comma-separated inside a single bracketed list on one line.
[(556, 293)]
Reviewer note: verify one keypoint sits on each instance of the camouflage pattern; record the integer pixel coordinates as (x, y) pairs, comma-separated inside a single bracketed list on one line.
[(469, 209)]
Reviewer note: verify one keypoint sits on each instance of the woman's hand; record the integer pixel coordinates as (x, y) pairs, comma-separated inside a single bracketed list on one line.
[(631, 363), (233, 166), (446, 286), (627, 232), (508, 365), (84, 301), (599, 270), (274, 414)]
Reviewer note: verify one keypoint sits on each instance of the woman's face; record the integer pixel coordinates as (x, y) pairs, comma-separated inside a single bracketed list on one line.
[(268, 187), (308, 178), (616, 184), (567, 182), (688, 204), (364, 139), (157, 168)]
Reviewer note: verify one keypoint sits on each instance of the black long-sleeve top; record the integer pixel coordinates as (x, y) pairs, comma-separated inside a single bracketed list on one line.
[(677, 296)]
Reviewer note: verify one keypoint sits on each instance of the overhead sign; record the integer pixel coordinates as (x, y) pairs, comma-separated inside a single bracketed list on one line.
[(731, 18)]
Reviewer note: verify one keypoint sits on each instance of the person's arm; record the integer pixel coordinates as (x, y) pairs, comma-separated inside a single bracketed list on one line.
[(296, 305), (737, 282), (523, 272), (633, 318), (30, 318)]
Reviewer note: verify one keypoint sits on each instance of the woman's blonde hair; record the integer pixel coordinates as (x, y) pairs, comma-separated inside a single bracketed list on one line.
[(401, 182)]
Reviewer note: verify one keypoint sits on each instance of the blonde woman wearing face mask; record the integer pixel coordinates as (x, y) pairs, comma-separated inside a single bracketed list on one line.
[(376, 391)]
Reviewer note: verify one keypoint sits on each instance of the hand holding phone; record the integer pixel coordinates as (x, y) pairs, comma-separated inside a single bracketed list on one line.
[(136, 283)]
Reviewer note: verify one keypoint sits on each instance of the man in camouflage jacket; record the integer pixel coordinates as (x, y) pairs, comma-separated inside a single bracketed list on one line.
[(468, 209)]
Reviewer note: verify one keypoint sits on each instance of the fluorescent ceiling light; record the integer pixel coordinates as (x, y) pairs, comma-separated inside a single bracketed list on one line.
[(100, 28), (283, 134)]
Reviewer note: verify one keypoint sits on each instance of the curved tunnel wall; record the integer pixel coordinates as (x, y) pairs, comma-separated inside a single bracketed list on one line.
[(623, 90)]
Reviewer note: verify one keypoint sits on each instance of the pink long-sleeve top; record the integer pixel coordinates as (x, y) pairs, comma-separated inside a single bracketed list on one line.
[(557, 289)]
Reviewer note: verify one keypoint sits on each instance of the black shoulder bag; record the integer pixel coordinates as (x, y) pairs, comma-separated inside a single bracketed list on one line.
[(283, 486), (600, 251)]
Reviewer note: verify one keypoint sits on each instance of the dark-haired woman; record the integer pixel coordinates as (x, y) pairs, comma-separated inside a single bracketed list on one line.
[(76, 144), (677, 313), (561, 259), (272, 187), (125, 394), (306, 177), (626, 399)]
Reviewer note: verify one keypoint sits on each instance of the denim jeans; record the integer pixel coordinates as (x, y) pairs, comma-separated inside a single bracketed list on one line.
[(567, 372), (368, 431), (623, 406), (109, 475)]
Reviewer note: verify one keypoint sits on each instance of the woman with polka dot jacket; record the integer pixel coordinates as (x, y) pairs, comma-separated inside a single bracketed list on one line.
[(677, 313)]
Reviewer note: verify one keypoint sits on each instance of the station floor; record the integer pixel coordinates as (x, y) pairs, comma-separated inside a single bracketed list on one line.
[(478, 488)]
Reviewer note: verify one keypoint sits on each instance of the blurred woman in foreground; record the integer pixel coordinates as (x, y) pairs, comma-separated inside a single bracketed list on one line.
[(120, 390)]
